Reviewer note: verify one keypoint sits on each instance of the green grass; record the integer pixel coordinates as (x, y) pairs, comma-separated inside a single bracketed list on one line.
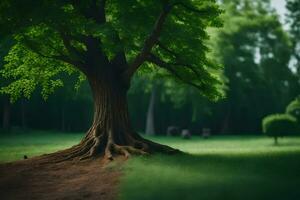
[(13, 146), (220, 168)]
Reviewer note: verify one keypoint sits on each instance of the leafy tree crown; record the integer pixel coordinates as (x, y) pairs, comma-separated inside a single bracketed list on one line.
[(69, 36)]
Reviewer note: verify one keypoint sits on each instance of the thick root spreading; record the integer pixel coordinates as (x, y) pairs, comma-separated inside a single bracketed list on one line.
[(93, 146), (114, 149)]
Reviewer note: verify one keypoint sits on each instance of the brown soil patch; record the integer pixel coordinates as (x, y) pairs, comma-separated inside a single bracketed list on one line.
[(32, 180)]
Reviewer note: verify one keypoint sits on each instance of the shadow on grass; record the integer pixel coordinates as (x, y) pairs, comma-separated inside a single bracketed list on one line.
[(214, 177)]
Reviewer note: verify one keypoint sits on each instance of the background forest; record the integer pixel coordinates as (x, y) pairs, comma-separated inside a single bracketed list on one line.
[(257, 50)]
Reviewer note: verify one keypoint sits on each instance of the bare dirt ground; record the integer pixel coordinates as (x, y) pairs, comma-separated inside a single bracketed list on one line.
[(31, 180)]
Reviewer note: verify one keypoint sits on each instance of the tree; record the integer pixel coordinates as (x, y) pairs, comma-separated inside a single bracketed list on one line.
[(146, 85), (108, 41), (150, 127), (255, 52), (279, 125)]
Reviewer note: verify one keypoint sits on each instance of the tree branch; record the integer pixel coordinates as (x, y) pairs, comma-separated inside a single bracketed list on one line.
[(120, 58), (95, 54), (95, 11), (61, 57), (67, 43), (179, 61), (163, 47), (149, 42), (195, 10), (168, 66), (101, 16), (160, 63)]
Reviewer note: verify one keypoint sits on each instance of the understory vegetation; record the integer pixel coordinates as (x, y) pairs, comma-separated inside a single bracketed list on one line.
[(281, 125)]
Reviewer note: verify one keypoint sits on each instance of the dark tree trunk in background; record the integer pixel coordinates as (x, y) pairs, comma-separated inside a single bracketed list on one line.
[(111, 133), (23, 114), (150, 127), (275, 140), (225, 124), (6, 114), (63, 119), (226, 121)]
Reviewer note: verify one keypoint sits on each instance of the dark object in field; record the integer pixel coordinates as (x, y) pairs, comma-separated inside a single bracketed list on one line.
[(25, 157), (173, 131), (186, 134), (206, 133)]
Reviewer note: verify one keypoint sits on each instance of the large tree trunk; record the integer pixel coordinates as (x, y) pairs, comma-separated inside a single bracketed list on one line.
[(111, 133), (150, 128)]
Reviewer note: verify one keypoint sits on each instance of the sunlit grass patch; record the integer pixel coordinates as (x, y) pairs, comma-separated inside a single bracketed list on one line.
[(218, 168), (32, 143)]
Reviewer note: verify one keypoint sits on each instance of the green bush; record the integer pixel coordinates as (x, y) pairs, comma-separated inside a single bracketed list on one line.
[(279, 125), (294, 108)]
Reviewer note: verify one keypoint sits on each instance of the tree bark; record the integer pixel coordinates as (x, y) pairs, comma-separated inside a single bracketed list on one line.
[(6, 114), (150, 127), (111, 133)]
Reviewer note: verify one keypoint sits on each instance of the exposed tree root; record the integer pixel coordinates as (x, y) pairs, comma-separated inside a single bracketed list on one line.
[(111, 134), (114, 149), (104, 145)]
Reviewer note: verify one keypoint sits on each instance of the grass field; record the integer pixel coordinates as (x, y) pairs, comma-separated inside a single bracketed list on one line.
[(220, 168), (14, 146)]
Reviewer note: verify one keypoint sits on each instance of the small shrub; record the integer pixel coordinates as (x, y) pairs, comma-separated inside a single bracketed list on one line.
[(279, 125), (294, 108)]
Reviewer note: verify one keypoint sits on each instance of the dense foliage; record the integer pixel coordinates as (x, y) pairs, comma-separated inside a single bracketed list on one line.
[(283, 124), (52, 37), (279, 125)]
